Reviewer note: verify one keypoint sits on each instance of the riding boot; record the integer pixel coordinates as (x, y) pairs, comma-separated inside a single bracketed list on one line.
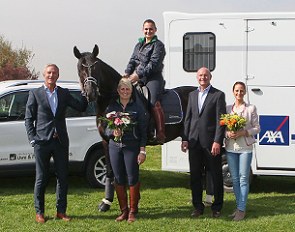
[(122, 198), (134, 197), (159, 117), (106, 202)]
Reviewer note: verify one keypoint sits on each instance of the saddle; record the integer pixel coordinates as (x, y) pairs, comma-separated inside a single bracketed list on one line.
[(170, 102)]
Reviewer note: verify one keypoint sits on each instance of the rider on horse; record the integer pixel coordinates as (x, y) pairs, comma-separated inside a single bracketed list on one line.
[(145, 66)]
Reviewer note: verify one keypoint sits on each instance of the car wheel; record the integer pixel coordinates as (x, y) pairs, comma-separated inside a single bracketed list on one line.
[(96, 169), (227, 181)]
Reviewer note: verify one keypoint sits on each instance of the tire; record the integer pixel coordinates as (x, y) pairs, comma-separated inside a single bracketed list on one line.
[(95, 172), (227, 181)]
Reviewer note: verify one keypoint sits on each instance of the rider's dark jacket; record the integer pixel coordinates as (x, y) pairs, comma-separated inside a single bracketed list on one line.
[(147, 60)]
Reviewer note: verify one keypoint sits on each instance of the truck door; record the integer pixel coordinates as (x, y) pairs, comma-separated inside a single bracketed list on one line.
[(271, 87)]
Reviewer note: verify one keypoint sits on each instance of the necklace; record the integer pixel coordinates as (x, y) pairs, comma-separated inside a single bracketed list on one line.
[(239, 110)]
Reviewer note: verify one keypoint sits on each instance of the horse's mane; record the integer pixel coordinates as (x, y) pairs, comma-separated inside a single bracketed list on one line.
[(111, 70)]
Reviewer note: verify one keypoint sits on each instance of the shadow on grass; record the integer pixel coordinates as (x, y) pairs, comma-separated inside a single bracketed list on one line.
[(163, 179), (264, 206), (257, 208), (151, 179), (277, 184), (271, 206)]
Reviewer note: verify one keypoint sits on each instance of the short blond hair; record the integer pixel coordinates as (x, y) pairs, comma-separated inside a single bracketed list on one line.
[(125, 81), (51, 65)]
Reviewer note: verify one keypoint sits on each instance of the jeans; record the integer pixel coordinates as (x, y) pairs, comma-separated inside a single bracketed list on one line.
[(123, 159), (239, 167)]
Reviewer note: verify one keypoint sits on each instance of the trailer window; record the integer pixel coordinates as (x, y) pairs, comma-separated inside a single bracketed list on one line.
[(198, 51)]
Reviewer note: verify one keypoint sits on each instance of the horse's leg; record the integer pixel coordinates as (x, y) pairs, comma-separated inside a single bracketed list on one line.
[(106, 202)]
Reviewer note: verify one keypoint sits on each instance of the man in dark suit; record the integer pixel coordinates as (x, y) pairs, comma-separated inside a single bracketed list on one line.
[(203, 137), (46, 128)]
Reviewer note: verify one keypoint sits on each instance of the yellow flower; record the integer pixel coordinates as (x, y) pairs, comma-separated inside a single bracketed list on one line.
[(233, 122)]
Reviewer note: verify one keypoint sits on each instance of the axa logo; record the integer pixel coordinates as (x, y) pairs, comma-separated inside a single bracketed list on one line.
[(274, 130), (273, 137)]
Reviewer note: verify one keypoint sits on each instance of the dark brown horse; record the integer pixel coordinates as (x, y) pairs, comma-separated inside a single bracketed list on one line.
[(99, 83)]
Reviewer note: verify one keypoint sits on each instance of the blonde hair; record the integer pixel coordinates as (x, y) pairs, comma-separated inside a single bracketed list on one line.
[(125, 81)]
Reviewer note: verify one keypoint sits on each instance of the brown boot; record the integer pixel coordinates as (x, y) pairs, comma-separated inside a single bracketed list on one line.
[(122, 198), (159, 117), (134, 199)]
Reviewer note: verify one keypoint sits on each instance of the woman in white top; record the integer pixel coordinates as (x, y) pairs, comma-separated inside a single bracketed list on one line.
[(239, 146)]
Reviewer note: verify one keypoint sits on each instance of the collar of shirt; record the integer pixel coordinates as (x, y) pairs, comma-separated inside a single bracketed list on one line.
[(205, 91)]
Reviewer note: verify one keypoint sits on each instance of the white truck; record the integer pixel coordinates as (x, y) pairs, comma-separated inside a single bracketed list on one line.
[(257, 48)]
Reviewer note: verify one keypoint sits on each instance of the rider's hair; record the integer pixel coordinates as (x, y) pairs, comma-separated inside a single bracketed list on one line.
[(150, 21)]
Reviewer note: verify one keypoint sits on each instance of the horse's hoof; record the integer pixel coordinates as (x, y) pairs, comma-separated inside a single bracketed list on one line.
[(104, 206)]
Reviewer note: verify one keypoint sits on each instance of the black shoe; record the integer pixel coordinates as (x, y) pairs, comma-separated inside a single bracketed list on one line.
[(216, 214), (197, 213)]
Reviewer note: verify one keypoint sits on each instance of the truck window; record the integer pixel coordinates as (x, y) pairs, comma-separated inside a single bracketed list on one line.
[(90, 111), (198, 51), (13, 106)]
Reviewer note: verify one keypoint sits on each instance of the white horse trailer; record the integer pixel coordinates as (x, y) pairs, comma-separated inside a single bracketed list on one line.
[(257, 48)]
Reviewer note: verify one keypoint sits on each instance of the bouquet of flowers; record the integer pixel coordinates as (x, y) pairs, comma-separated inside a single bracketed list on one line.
[(118, 120), (233, 122)]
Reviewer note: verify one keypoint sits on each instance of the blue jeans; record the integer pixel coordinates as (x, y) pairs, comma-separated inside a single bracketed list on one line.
[(239, 167)]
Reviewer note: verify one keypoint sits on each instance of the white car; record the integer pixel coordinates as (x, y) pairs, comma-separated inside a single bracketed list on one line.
[(17, 155)]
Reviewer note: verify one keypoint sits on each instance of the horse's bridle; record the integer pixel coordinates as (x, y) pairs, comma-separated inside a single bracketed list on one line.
[(89, 79)]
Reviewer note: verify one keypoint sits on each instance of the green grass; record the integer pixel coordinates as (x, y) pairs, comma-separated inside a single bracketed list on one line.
[(165, 205)]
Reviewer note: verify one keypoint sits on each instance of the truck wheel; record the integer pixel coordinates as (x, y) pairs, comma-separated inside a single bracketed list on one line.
[(96, 169), (227, 181)]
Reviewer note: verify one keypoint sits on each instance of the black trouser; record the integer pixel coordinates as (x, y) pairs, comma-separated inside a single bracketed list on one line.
[(43, 153), (156, 88), (198, 158), (124, 162)]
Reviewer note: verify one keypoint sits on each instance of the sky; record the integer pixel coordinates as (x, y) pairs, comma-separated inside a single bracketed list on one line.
[(50, 29)]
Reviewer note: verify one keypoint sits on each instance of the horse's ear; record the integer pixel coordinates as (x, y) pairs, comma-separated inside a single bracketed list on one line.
[(95, 51), (77, 53)]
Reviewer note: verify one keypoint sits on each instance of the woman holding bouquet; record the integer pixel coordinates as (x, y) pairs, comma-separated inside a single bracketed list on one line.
[(239, 145), (127, 143)]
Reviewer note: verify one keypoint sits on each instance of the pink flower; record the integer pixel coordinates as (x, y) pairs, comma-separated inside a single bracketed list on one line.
[(118, 122)]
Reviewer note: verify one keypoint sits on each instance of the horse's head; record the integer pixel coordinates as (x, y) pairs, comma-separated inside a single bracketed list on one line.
[(88, 70)]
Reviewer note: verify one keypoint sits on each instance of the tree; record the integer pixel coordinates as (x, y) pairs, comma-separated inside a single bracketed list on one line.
[(14, 63)]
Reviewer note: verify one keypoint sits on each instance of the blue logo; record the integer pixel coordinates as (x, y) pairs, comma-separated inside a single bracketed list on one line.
[(274, 130)]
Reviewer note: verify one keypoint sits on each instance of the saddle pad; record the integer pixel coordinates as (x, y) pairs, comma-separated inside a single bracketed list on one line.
[(172, 107)]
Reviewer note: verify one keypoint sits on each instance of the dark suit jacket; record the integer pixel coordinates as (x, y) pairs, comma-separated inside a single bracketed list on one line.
[(204, 126), (39, 120)]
